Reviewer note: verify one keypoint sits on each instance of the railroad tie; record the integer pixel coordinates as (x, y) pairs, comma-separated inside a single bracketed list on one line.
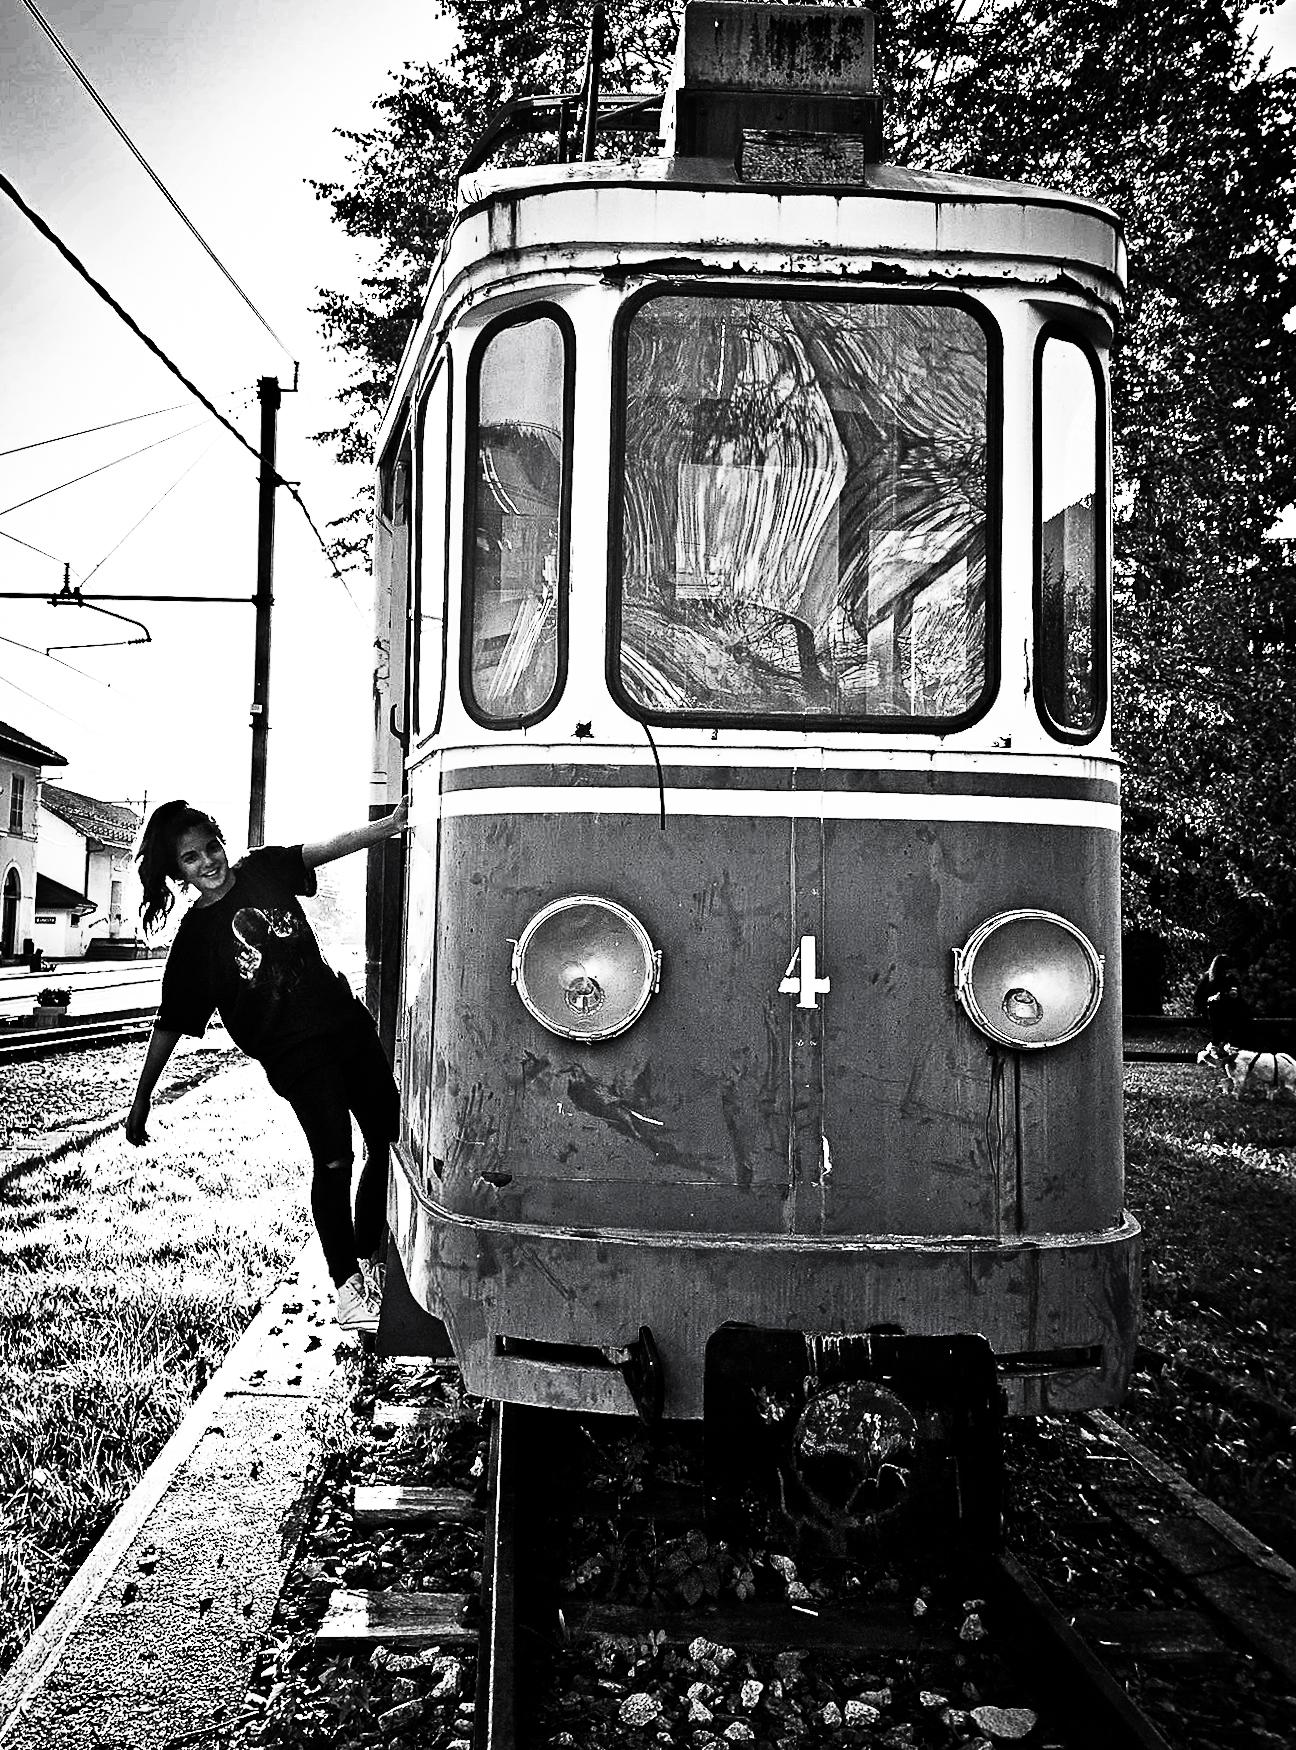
[(379, 1504), (398, 1619), (415, 1415)]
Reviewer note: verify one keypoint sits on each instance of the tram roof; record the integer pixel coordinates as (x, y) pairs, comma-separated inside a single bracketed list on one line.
[(504, 212), (893, 180)]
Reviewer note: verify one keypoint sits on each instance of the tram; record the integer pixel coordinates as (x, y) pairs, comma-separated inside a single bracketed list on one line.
[(752, 970)]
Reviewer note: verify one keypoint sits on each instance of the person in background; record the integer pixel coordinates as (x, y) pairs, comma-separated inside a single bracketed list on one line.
[(1219, 1004), (245, 949)]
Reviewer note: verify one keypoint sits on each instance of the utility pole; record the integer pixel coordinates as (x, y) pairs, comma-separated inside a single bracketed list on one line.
[(268, 394)]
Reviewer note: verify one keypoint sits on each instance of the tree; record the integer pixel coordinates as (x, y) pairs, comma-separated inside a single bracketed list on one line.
[(1156, 108)]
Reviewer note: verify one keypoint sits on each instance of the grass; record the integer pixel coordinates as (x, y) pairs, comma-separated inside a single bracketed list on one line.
[(125, 1277), (1213, 1180)]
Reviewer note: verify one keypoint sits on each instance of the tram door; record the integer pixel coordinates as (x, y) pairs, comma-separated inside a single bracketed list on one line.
[(424, 695), (386, 873)]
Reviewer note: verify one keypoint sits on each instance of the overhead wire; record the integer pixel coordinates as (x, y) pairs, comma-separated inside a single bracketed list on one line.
[(6, 536), (89, 430), (66, 715), (75, 262), (148, 513), (37, 651), (148, 170), (102, 469)]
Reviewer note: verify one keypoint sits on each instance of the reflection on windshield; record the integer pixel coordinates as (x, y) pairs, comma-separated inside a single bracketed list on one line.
[(804, 509)]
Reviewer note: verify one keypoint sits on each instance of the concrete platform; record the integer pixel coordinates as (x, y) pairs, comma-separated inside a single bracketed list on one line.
[(152, 1642)]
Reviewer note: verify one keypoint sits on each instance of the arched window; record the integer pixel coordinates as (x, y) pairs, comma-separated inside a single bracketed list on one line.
[(9, 915)]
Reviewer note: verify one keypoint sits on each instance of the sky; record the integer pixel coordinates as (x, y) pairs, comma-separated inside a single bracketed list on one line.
[(235, 104)]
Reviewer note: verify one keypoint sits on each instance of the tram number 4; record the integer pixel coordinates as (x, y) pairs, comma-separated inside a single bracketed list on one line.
[(800, 980)]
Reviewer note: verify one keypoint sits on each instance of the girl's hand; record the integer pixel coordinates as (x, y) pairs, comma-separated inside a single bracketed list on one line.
[(398, 819), (136, 1119)]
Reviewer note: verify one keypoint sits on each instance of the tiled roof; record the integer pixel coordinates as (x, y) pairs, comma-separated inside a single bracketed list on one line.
[(26, 748), (109, 823)]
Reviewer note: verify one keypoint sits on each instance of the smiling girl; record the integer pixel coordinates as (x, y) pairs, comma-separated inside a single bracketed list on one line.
[(244, 949)]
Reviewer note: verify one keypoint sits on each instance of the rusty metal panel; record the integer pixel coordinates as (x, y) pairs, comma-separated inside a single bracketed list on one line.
[(825, 49), (930, 1128), (680, 1122)]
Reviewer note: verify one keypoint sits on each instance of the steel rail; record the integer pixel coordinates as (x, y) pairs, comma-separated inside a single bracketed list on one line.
[(1100, 1710), (30, 1044), (495, 1723)]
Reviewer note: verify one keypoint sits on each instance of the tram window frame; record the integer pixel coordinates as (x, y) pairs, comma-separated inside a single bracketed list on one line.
[(825, 722), (1100, 598), (530, 312), (442, 377)]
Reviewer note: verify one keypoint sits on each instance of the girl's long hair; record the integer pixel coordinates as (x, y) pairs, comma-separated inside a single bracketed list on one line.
[(157, 856)]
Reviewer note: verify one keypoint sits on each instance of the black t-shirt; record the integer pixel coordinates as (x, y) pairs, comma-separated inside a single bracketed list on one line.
[(253, 956)]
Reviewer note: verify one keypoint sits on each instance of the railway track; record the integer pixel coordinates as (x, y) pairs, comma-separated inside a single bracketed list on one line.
[(25, 1045), (601, 1609)]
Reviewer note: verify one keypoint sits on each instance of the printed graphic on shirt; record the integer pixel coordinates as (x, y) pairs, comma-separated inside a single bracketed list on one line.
[(269, 956)]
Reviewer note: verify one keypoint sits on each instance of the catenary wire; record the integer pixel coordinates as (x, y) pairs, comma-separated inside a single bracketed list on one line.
[(89, 430), (148, 170), (75, 262), (148, 513), (66, 715), (6, 536), (102, 469), (37, 651)]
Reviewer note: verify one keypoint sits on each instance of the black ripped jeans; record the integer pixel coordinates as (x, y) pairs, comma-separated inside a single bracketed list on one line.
[(350, 1076)]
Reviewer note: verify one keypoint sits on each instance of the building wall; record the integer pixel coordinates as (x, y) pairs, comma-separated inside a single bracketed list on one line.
[(58, 934), (18, 849), (63, 858), (62, 852)]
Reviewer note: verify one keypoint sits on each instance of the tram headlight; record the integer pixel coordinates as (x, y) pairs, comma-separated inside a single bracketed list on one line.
[(585, 967), (1029, 979)]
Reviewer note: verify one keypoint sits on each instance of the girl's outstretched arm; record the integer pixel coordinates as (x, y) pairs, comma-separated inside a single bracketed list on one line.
[(358, 839), (162, 1042)]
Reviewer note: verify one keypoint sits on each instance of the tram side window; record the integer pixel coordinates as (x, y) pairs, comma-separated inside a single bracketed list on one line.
[(392, 570), (516, 521), (804, 509), (1070, 601), (430, 587)]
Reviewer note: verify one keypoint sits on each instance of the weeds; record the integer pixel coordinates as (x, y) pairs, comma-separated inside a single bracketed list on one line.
[(125, 1278)]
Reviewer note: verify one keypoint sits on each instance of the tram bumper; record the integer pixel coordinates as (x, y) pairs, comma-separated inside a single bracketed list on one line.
[(538, 1314)]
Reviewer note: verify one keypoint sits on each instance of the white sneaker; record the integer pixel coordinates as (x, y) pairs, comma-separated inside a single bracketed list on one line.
[(355, 1311)]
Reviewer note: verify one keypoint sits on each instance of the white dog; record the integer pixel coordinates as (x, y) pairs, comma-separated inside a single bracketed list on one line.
[(1270, 1073)]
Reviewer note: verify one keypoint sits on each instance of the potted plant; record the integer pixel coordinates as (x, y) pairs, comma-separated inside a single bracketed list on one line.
[(51, 1005)]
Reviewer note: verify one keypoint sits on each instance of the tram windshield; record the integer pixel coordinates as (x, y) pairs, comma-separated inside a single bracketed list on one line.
[(804, 510)]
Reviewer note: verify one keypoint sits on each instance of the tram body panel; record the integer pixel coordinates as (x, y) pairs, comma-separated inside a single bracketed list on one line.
[(900, 1121), (669, 1124), (967, 1137)]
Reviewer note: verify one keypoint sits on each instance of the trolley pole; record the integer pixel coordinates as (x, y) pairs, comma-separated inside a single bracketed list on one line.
[(268, 394)]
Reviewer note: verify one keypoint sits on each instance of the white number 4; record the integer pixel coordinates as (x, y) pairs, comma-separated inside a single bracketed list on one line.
[(799, 980)]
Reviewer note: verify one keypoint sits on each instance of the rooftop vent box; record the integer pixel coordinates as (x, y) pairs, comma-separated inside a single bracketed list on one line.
[(783, 93)]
